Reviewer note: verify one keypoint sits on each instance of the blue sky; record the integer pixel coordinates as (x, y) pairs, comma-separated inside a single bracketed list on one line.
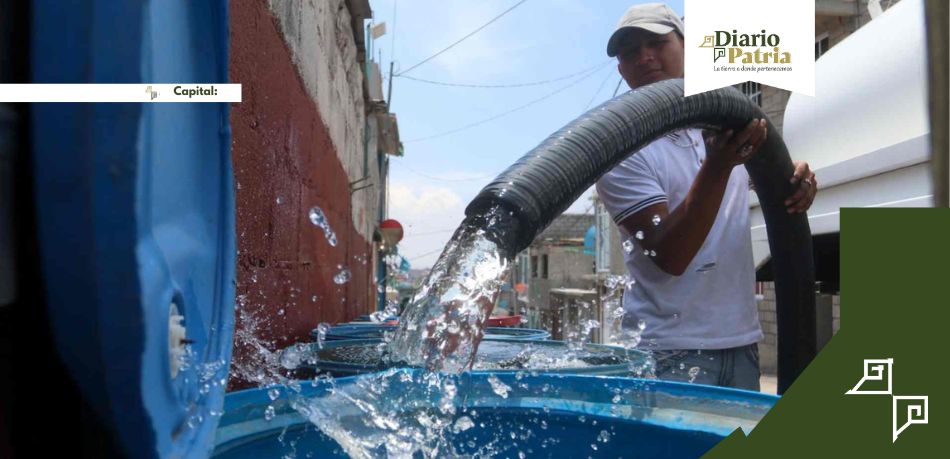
[(538, 40)]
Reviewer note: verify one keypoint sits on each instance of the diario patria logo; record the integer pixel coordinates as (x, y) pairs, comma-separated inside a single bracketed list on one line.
[(918, 409), (758, 48), (728, 42)]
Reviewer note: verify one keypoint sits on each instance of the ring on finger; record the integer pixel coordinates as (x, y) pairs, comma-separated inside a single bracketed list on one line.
[(807, 181)]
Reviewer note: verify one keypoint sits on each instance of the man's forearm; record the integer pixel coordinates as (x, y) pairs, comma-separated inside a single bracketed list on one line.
[(681, 234)]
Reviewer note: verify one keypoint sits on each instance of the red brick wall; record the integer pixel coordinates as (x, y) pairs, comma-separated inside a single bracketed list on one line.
[(281, 149)]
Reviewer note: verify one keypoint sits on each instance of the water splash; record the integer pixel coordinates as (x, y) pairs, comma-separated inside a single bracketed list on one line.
[(322, 333), (343, 276), (441, 328), (381, 316), (395, 415), (498, 387), (628, 246), (318, 218)]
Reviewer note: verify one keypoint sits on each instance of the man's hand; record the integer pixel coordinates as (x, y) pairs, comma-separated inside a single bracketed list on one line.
[(805, 196), (725, 151)]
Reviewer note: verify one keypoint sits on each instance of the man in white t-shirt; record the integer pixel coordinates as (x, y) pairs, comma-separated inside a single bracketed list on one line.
[(684, 205)]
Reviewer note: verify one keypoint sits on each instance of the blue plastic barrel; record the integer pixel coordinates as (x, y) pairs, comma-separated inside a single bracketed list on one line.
[(348, 332), (135, 217), (366, 319), (551, 416), (356, 357)]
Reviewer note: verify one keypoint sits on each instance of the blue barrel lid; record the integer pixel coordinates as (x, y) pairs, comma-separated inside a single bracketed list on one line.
[(348, 332), (686, 411), (499, 355), (135, 207)]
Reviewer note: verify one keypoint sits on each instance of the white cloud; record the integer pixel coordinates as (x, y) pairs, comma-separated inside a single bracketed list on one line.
[(429, 201), (429, 215)]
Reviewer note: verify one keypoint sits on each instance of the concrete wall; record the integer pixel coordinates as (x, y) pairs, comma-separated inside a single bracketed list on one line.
[(567, 267), (297, 139), (768, 347)]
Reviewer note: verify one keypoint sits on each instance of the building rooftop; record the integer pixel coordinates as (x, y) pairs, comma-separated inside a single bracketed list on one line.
[(568, 229)]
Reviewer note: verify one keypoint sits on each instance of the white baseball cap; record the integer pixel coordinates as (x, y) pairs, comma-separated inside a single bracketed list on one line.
[(652, 17)]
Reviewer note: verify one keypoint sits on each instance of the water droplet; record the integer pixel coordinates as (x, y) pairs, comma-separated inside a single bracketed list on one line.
[(314, 299), (322, 333), (273, 394), (343, 277), (617, 399), (498, 387), (594, 446), (463, 423), (642, 324), (278, 200), (646, 252), (653, 253), (205, 389), (318, 218), (682, 366), (628, 246), (656, 219), (269, 413), (692, 373), (639, 235)]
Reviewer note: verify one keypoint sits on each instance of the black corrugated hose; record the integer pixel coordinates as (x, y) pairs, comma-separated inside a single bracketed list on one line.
[(548, 179)]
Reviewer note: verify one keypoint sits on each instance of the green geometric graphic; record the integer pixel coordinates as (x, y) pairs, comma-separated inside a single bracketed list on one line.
[(895, 304)]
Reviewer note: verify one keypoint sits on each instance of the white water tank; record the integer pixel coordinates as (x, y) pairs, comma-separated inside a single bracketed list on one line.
[(866, 133)]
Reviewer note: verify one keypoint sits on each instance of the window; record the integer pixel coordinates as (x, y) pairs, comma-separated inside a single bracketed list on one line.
[(821, 45), (544, 266), (534, 266), (753, 91)]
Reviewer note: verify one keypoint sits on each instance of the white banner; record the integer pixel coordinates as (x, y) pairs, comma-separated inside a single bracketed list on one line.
[(120, 92), (733, 41)]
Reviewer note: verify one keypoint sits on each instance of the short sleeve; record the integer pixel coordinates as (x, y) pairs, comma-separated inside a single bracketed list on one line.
[(630, 187)]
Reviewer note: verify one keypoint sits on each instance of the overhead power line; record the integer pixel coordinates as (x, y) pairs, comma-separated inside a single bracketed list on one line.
[(513, 85), (599, 88), (424, 255), (618, 87), (463, 38), (429, 233), (443, 179), (509, 111)]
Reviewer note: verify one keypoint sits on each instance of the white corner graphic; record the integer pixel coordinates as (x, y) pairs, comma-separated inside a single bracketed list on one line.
[(912, 410), (916, 414), (879, 375)]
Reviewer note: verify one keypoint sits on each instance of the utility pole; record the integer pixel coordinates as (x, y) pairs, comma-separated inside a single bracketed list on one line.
[(390, 92)]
